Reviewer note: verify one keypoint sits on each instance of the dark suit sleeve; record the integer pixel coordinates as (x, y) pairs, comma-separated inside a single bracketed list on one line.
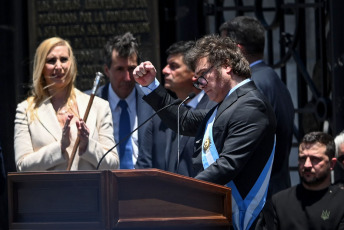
[(189, 120)]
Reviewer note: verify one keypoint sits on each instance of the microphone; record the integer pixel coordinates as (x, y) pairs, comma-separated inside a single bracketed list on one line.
[(123, 139), (99, 75), (190, 96)]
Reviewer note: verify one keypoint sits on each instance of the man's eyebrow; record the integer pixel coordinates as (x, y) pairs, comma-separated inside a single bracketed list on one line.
[(203, 69)]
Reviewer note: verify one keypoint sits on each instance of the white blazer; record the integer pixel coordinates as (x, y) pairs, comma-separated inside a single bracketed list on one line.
[(37, 143)]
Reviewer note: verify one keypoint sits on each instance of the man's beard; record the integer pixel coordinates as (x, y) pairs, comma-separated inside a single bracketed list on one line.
[(316, 180)]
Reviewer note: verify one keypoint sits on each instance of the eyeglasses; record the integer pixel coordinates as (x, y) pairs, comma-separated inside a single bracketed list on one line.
[(201, 81)]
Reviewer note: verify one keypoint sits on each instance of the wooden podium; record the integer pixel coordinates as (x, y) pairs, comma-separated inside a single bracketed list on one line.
[(119, 199)]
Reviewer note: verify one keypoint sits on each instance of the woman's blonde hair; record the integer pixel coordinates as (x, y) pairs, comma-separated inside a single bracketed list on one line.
[(39, 91)]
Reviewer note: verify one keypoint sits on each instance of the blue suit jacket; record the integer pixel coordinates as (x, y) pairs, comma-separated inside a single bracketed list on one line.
[(144, 111), (268, 82), (153, 152)]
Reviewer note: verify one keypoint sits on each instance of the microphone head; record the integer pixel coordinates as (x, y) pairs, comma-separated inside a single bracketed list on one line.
[(99, 74), (191, 95)]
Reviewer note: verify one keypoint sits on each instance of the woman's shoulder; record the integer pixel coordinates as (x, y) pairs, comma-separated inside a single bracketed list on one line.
[(25, 103)]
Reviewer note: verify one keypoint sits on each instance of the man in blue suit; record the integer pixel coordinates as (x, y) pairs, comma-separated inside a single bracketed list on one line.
[(178, 79), (249, 34), (121, 57)]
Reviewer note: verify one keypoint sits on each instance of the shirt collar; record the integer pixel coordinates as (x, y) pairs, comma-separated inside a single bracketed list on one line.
[(194, 101), (256, 62), (114, 99), (238, 85)]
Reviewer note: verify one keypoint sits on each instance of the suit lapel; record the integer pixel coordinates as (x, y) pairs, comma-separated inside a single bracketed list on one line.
[(47, 118), (182, 143), (226, 103), (104, 91)]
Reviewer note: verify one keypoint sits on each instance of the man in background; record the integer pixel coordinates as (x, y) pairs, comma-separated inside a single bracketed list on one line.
[(249, 34), (125, 97), (178, 79), (314, 203), (339, 167)]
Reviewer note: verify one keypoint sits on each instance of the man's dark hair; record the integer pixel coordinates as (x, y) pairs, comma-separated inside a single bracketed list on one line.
[(181, 47), (323, 138), (220, 51), (248, 32), (126, 45)]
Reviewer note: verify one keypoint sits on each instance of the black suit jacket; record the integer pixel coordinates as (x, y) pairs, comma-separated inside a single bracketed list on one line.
[(268, 82), (243, 131), (144, 111)]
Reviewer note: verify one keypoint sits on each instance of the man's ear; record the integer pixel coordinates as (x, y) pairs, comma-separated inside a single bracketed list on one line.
[(106, 70), (228, 69), (333, 163)]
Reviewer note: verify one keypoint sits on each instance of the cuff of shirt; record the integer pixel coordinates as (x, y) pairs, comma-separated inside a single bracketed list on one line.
[(149, 88)]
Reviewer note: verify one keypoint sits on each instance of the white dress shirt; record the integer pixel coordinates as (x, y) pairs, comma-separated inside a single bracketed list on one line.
[(116, 112)]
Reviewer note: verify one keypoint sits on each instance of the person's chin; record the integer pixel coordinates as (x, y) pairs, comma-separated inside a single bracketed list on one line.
[(168, 86), (309, 181)]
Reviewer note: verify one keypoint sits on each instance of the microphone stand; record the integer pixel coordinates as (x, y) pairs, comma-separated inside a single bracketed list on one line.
[(190, 96), (90, 102)]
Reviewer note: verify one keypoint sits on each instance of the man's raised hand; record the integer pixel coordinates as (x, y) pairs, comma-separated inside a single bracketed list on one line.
[(145, 73)]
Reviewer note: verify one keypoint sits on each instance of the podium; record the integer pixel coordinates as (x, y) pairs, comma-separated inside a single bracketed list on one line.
[(119, 199)]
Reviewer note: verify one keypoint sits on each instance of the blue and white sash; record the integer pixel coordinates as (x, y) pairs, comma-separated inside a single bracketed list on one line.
[(244, 211)]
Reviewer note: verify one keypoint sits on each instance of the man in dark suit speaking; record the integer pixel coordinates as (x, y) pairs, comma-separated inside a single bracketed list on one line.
[(249, 34), (234, 141)]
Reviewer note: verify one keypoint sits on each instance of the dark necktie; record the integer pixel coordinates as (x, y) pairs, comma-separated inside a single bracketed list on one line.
[(125, 148)]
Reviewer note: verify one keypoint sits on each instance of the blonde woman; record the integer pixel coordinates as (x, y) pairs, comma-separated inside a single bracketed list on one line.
[(49, 121)]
